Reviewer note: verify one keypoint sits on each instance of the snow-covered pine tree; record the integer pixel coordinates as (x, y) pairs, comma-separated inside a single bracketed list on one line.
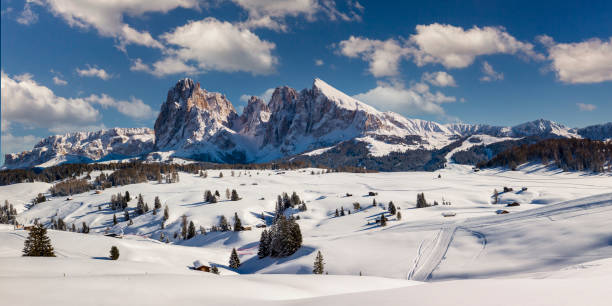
[(318, 264), (38, 243), (234, 261), (237, 223)]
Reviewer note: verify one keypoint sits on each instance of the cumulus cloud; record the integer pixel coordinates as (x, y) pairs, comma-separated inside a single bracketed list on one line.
[(383, 56), (271, 14), (490, 74), (59, 81), (94, 72), (26, 102), (455, 47), (584, 62), (107, 16), (416, 99), (319, 62), (583, 107), (134, 108), (439, 78), (210, 44)]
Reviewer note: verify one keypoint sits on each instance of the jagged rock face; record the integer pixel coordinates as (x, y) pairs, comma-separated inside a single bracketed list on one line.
[(84, 147), (255, 115), (191, 115)]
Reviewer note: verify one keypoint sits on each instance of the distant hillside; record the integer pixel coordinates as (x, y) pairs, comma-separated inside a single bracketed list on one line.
[(567, 154)]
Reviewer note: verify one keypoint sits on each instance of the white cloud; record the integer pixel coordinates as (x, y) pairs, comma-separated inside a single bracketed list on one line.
[(271, 14), (210, 44), (382, 56), (439, 78), (319, 62), (58, 81), (107, 16), (490, 74), (134, 108), (417, 99), (265, 96), (584, 62), (583, 107), (94, 72), (454, 47), (24, 101), (15, 144), (28, 16)]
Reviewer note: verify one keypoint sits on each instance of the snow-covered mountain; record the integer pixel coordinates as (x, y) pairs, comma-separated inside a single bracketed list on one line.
[(85, 147), (202, 125)]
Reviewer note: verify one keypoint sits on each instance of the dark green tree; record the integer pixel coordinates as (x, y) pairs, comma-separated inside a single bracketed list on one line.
[(191, 231), (318, 264), (237, 223), (264, 244), (234, 261), (114, 253), (38, 243)]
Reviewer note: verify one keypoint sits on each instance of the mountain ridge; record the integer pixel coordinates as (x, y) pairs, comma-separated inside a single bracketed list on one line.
[(197, 124)]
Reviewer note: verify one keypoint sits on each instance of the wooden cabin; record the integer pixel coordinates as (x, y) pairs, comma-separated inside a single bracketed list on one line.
[(197, 265)]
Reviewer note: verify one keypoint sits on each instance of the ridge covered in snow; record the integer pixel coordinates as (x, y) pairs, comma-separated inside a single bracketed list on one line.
[(197, 124)]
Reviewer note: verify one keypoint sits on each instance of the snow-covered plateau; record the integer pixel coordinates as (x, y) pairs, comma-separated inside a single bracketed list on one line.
[(554, 248)]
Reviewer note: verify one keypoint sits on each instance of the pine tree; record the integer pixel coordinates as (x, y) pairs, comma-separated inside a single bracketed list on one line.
[(126, 216), (228, 194), (217, 194), (318, 264), (140, 205), (184, 225), (383, 220), (235, 196), (191, 232), (114, 219), (237, 223), (114, 253), (214, 270), (421, 202), (38, 243), (166, 213), (337, 214), (264, 245), (85, 228), (223, 224), (127, 197), (392, 209), (399, 216), (342, 211), (234, 261), (157, 203), (220, 174)]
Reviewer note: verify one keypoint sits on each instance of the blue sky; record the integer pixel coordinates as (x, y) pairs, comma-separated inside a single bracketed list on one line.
[(71, 66)]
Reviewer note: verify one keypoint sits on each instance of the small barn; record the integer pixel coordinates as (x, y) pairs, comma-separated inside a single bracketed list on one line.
[(197, 265)]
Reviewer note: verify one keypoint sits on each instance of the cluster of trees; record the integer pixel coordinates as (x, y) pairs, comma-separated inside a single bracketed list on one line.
[(341, 213), (39, 199), (7, 213), (283, 239), (71, 186), (421, 202), (285, 201), (119, 201), (567, 154), (60, 225), (210, 197)]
